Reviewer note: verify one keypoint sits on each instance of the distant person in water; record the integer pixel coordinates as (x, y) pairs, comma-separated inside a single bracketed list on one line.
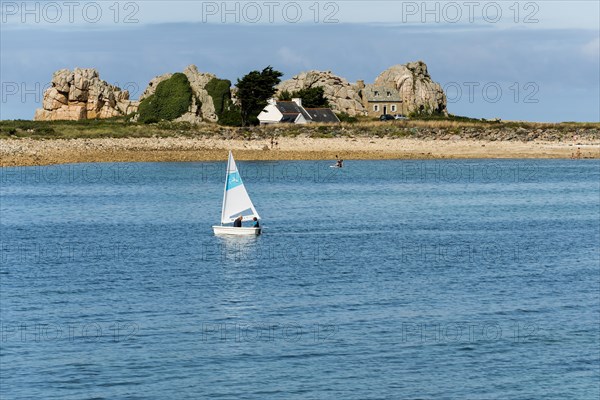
[(256, 223), (339, 163), (238, 222)]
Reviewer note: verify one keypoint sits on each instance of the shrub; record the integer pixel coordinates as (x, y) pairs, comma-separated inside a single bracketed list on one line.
[(171, 100), (148, 110), (44, 130), (344, 117), (231, 117), (220, 91), (227, 112)]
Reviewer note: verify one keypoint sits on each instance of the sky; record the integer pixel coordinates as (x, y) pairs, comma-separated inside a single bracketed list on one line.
[(515, 60)]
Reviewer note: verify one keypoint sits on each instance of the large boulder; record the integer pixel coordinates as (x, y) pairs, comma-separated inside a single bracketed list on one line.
[(62, 79), (67, 112), (418, 91), (81, 94), (53, 99), (202, 107), (342, 96)]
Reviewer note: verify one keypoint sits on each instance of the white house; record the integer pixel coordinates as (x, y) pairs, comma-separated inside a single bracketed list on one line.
[(292, 112)]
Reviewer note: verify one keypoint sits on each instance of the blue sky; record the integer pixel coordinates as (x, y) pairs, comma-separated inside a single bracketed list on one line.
[(514, 60)]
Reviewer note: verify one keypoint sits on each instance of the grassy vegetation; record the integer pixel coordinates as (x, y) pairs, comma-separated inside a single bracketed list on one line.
[(449, 117), (121, 127)]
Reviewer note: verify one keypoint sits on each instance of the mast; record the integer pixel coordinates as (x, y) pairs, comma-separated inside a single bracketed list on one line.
[(225, 187)]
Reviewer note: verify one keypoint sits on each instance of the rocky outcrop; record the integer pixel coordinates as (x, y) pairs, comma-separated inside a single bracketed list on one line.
[(81, 94), (418, 91), (202, 107), (342, 96)]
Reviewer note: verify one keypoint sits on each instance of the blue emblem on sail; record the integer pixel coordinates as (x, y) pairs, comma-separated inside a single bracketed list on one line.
[(233, 180)]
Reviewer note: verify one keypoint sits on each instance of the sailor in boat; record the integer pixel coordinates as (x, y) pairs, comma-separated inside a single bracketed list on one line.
[(238, 222), (256, 223), (235, 202)]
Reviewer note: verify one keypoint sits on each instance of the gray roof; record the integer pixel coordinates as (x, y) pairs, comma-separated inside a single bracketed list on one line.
[(322, 115), (290, 107), (381, 93), (289, 117)]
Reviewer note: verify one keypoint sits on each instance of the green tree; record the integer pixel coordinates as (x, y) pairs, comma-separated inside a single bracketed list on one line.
[(285, 96), (254, 89), (313, 97)]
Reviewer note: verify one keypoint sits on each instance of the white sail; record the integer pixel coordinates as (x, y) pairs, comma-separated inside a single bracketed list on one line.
[(235, 198)]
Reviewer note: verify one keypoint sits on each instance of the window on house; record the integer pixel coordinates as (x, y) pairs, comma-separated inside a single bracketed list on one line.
[(376, 93), (375, 107), (394, 108), (389, 94)]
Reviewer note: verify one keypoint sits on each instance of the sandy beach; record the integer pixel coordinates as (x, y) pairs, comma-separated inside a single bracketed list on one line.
[(22, 152)]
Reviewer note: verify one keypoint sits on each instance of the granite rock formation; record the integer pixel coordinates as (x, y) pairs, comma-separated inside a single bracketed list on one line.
[(342, 96), (81, 94), (418, 92), (203, 112)]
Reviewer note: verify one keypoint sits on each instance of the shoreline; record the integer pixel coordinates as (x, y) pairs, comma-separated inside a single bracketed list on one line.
[(35, 152)]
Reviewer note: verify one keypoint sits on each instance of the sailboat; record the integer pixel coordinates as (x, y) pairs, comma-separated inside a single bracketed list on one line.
[(236, 202)]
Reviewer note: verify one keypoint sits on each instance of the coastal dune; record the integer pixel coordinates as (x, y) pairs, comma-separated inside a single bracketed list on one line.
[(27, 151)]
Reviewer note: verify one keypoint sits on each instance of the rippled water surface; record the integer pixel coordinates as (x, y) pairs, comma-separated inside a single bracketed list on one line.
[(386, 279)]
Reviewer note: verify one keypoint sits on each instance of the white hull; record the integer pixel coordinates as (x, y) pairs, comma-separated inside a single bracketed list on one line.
[(230, 230)]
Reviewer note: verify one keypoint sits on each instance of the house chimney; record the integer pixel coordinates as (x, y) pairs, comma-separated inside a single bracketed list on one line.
[(298, 101)]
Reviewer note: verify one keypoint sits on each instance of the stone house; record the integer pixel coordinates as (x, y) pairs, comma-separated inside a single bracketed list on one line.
[(379, 100)]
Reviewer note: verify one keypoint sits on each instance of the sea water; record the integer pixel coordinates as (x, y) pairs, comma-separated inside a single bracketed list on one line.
[(465, 279)]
